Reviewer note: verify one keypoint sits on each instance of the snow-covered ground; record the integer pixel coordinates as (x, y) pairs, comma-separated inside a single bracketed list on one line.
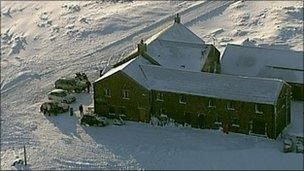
[(42, 41)]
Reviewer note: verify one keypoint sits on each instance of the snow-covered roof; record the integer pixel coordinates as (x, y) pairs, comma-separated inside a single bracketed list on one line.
[(177, 47), (177, 33), (131, 68), (258, 90), (263, 62)]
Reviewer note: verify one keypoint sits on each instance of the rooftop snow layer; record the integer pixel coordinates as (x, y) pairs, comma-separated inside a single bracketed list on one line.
[(131, 68), (177, 33), (263, 62), (177, 47), (256, 90)]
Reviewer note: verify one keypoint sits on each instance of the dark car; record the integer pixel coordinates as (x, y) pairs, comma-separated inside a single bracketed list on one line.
[(90, 120), (71, 84), (118, 122), (54, 107)]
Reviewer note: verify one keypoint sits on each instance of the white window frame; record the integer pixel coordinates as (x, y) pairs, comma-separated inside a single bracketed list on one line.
[(124, 93), (210, 105), (180, 99), (229, 106), (159, 96), (256, 109), (107, 92), (236, 124)]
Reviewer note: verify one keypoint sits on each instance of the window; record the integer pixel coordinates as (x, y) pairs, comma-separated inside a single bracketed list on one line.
[(230, 106), (218, 119), (159, 96), (235, 122), (107, 92), (182, 99), (126, 94), (257, 109), (211, 104)]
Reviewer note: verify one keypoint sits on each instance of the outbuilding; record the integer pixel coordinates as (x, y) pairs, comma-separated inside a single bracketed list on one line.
[(267, 63)]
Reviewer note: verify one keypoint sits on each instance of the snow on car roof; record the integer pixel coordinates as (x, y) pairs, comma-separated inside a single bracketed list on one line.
[(58, 91), (263, 62)]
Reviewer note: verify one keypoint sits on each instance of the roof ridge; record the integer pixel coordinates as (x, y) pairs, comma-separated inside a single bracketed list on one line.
[(257, 47), (139, 65), (218, 75)]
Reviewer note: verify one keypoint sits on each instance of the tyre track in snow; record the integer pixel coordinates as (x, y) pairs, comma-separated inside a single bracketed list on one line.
[(190, 16), (197, 13)]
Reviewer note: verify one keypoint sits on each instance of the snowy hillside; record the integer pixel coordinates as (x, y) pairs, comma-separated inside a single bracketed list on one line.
[(42, 41)]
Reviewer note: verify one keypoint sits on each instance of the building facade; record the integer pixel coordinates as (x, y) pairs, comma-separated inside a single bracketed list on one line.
[(134, 93), (175, 74)]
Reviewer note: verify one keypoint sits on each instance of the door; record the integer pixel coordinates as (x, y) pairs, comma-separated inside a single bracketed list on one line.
[(188, 119), (258, 127), (143, 115), (201, 121)]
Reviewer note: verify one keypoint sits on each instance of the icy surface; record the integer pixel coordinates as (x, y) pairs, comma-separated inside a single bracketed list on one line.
[(60, 38)]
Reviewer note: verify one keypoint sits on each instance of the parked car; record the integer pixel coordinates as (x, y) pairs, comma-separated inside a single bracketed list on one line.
[(90, 120), (76, 84), (17, 161), (104, 120), (71, 84), (288, 145), (54, 107), (118, 122), (61, 95)]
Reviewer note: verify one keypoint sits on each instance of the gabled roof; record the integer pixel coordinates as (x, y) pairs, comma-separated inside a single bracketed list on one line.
[(179, 48), (257, 90), (263, 62), (132, 69), (177, 33)]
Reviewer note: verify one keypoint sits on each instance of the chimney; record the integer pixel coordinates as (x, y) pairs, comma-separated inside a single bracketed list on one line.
[(142, 47), (177, 18)]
